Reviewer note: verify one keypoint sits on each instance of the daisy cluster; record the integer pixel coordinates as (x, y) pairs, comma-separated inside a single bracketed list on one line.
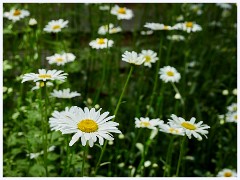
[(176, 126), (231, 115)]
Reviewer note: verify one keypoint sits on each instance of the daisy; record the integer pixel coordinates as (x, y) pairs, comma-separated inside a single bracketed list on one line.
[(149, 56), (157, 26), (112, 30), (227, 173), (133, 58), (32, 22), (189, 127), (55, 26), (61, 59), (169, 74), (65, 93), (16, 14), (188, 26), (232, 108), (86, 124), (176, 38), (41, 84), (122, 12), (101, 43), (147, 123), (231, 117), (167, 128), (44, 75), (69, 57)]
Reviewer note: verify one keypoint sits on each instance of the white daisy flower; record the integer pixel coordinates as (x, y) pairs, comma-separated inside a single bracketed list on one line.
[(187, 26), (32, 22), (122, 12), (145, 33), (149, 56), (112, 30), (224, 5), (147, 123), (16, 14), (157, 26), (232, 108), (101, 43), (33, 155), (189, 127), (169, 74), (167, 128), (227, 173), (55, 26), (65, 93), (41, 84), (231, 117), (86, 124), (176, 38), (133, 58), (104, 7), (44, 75), (61, 59)]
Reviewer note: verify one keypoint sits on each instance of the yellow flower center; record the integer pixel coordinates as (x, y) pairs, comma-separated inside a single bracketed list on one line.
[(170, 73), (165, 27), (189, 24), (122, 10), (17, 12), (235, 108), (235, 117), (188, 126), (147, 58), (59, 59), (101, 41), (172, 130), (145, 124), (44, 76), (88, 126), (227, 174), (55, 27)]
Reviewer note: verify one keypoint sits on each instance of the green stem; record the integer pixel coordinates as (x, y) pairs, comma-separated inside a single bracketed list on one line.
[(177, 91), (156, 77), (168, 158), (115, 113), (180, 156), (84, 157)]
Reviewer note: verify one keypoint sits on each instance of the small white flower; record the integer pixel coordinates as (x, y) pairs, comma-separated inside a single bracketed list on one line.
[(147, 123), (176, 38), (122, 12), (132, 58), (101, 43), (231, 117), (180, 18), (196, 8), (61, 59), (33, 155), (167, 128), (188, 27), (87, 124), (51, 148), (232, 108), (157, 26), (146, 32), (55, 26), (189, 127), (102, 30), (224, 5), (149, 56), (44, 75), (227, 173), (104, 7), (169, 74), (41, 84), (177, 96), (32, 22), (147, 163), (65, 93), (16, 14)]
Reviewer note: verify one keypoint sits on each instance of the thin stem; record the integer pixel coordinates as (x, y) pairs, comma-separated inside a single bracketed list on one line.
[(177, 91), (84, 157), (156, 77), (115, 113), (168, 157), (180, 155)]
